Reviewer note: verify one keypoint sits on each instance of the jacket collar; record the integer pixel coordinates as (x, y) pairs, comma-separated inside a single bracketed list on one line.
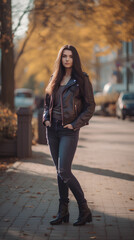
[(70, 83)]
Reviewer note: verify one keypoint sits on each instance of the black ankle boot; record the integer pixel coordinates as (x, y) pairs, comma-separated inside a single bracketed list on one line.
[(85, 215), (63, 215)]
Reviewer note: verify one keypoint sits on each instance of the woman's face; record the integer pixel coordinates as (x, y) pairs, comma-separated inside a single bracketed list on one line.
[(67, 58)]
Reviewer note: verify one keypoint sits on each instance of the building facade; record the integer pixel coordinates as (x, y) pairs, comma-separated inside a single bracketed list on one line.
[(117, 69)]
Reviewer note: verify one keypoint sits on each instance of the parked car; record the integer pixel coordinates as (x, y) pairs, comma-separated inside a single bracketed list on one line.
[(125, 105), (24, 97)]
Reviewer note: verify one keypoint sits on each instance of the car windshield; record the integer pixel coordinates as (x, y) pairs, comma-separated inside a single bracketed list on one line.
[(24, 95), (129, 96)]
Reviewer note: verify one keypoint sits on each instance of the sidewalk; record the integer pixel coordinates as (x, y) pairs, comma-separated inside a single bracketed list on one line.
[(104, 165)]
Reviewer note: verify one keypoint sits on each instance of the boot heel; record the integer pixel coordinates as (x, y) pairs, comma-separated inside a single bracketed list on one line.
[(89, 218), (66, 219)]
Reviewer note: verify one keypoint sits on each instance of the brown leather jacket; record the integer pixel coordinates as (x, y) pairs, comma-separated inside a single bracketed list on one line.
[(75, 108)]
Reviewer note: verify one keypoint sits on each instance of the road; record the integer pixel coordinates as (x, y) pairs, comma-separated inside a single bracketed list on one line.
[(104, 165)]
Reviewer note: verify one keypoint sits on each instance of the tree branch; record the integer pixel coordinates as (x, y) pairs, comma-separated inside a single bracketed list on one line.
[(24, 45), (20, 19)]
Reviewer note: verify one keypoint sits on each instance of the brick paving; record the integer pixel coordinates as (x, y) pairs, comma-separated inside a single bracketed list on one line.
[(104, 165)]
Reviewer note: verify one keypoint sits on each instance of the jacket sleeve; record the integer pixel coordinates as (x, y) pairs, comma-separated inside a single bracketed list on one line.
[(46, 116), (88, 106)]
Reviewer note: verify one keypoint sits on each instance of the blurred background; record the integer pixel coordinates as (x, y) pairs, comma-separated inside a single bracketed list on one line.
[(33, 31)]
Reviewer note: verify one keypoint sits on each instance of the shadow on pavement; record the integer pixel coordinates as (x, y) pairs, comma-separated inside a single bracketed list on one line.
[(104, 172), (45, 159), (41, 158)]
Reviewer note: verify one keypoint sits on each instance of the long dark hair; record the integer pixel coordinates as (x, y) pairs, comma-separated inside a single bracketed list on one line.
[(60, 70)]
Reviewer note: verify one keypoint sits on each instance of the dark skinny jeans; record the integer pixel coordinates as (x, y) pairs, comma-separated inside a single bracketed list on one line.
[(63, 143)]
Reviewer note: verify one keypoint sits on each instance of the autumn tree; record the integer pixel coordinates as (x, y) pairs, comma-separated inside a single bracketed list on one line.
[(7, 49), (83, 23)]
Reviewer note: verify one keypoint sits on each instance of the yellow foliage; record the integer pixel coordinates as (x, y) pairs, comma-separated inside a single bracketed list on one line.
[(78, 23), (8, 123)]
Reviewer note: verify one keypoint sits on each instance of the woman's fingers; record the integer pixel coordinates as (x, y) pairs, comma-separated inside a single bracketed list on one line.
[(68, 126), (48, 124)]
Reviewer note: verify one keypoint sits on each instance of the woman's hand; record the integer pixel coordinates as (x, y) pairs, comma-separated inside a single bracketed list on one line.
[(47, 123), (68, 126)]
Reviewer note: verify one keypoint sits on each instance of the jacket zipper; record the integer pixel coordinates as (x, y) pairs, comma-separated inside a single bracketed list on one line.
[(75, 107)]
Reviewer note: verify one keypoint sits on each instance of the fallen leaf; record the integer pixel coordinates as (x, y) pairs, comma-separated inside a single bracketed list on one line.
[(18, 187), (33, 197), (6, 220), (29, 206), (131, 210), (119, 193), (26, 191), (25, 234), (94, 237)]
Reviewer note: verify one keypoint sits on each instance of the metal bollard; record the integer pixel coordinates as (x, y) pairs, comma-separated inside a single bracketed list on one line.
[(41, 129), (24, 134)]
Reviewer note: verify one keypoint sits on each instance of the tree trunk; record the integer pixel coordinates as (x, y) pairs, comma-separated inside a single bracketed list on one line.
[(7, 63)]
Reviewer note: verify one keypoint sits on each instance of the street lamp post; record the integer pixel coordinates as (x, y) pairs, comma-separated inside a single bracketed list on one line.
[(127, 60)]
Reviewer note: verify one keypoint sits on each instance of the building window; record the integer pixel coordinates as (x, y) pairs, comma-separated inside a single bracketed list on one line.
[(130, 47)]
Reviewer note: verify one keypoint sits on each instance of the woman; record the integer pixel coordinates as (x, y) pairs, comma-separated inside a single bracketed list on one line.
[(69, 106)]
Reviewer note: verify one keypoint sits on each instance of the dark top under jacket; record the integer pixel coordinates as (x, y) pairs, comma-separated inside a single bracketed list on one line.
[(57, 104)]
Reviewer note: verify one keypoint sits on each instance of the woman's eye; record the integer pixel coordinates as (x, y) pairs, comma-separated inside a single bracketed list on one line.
[(64, 56)]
